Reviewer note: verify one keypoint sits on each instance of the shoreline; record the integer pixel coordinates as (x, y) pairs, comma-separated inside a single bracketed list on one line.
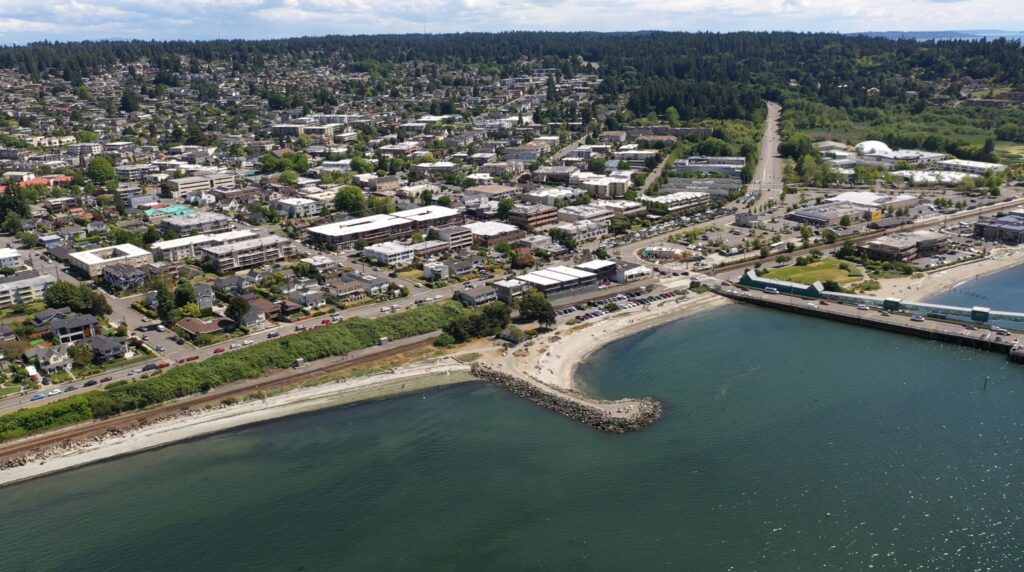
[(576, 344), (944, 279), (193, 424)]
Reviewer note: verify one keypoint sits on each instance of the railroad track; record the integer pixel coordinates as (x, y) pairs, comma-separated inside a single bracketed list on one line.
[(139, 418)]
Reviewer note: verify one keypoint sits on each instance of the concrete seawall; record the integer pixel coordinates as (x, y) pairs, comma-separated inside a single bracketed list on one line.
[(932, 329), (610, 416)]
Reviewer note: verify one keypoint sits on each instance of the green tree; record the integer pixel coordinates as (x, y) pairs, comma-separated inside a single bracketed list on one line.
[(381, 205), (504, 208), (350, 199), (563, 237), (185, 293), (426, 197), (237, 308), (845, 221), (288, 177), (101, 170), (534, 306)]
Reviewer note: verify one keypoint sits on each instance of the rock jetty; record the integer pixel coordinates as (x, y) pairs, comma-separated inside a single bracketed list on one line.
[(610, 416)]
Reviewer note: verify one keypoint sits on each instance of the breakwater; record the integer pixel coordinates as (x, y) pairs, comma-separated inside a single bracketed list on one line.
[(620, 416)]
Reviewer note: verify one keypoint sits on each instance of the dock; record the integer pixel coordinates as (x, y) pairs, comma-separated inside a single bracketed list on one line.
[(960, 333)]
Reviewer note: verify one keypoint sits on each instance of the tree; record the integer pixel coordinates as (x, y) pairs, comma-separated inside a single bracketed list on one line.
[(191, 310), (534, 306), (601, 253), (426, 197), (504, 208), (130, 101), (445, 201), (185, 293), (81, 355), (13, 223), (845, 221), (288, 177), (63, 294), (101, 170), (563, 237), (350, 199), (237, 308), (381, 205)]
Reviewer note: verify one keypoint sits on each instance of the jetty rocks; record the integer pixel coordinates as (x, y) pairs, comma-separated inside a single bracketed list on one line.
[(621, 416)]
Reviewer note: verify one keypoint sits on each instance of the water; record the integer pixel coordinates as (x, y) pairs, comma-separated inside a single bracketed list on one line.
[(999, 291), (788, 443)]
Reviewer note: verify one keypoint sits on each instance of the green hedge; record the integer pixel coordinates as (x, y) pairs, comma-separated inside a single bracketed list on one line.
[(245, 363)]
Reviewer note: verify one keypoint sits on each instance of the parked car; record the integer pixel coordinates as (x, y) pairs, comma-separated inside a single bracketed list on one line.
[(38, 396), (106, 379), (218, 351), (90, 383)]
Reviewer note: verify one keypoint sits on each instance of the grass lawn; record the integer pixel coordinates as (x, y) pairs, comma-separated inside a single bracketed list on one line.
[(822, 270), (9, 390), (854, 134), (1010, 152)]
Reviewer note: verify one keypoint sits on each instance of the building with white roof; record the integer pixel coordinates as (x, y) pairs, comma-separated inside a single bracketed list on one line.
[(682, 201), (178, 249), (490, 233), (389, 253), (297, 207), (23, 288), (10, 258), (555, 279), (92, 262), (248, 253), (378, 228), (970, 167), (869, 200)]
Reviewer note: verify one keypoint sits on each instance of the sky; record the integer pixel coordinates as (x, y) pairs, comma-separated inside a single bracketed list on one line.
[(32, 20)]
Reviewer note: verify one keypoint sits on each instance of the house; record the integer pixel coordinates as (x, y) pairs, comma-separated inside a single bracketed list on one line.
[(6, 334), (51, 241), (477, 295), (434, 271), (265, 309), (123, 277), (50, 360), (107, 348), (67, 330), (205, 297), (10, 258), (196, 327), (346, 291), (46, 316), (373, 285), (309, 299), (234, 284)]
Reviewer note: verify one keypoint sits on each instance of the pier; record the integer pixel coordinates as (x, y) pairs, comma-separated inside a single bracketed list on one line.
[(898, 321)]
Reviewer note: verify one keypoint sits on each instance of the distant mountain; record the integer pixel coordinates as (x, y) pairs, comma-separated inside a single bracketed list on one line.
[(943, 35)]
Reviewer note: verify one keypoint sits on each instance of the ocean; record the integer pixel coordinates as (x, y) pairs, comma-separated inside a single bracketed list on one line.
[(788, 443)]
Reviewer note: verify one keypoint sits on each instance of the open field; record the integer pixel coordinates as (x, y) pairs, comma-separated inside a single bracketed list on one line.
[(1010, 152), (822, 270)]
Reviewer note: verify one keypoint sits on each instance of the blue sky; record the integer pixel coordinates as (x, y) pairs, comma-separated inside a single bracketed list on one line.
[(31, 20)]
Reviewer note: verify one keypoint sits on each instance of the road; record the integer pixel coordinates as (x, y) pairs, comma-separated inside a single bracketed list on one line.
[(767, 181)]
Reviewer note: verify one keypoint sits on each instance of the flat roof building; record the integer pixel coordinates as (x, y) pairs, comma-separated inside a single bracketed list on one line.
[(906, 246), (186, 247), (681, 202), (197, 222), (248, 253), (489, 233), (92, 262), (389, 253), (378, 228), (532, 216)]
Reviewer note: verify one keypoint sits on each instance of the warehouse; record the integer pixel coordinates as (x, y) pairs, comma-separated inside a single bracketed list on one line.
[(557, 279)]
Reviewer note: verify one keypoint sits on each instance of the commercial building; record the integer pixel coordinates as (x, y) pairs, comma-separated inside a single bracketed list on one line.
[(508, 290), (532, 216), (681, 202), (179, 249), (297, 207), (630, 272), (584, 230), (552, 196), (248, 253), (1007, 228), (457, 237), (188, 185), (620, 207), (378, 228), (492, 192), (197, 222), (728, 166), (434, 271), (604, 270), (575, 213), (23, 288), (906, 246), (558, 279), (752, 280), (873, 201), (489, 233), (831, 214), (978, 168), (92, 262), (389, 253)]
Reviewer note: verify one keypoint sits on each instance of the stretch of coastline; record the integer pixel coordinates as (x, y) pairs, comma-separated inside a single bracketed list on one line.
[(552, 358), (920, 288), (196, 423)]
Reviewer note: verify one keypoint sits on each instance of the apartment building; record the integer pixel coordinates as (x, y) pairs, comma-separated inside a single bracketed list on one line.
[(92, 262), (198, 222), (533, 216), (10, 258), (186, 247), (248, 253), (23, 288), (293, 207), (379, 228), (389, 253)]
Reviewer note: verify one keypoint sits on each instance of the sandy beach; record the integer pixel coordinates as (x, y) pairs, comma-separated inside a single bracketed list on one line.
[(552, 358), (933, 283), (188, 425)]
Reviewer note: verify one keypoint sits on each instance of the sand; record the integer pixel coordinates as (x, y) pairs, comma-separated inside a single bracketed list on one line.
[(932, 283), (444, 371), (552, 358)]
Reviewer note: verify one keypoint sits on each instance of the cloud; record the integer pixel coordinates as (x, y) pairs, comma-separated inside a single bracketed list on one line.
[(198, 19)]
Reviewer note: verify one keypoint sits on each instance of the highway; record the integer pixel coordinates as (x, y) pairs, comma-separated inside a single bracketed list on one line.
[(767, 181)]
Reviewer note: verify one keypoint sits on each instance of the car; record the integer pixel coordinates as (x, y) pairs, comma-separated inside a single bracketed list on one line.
[(886, 314), (161, 328), (106, 379), (272, 335), (247, 343), (145, 319), (235, 346), (861, 307), (824, 302), (70, 388), (46, 381), (161, 349), (38, 396), (149, 367), (145, 338), (218, 351), (921, 319), (55, 391), (90, 383), (418, 285)]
